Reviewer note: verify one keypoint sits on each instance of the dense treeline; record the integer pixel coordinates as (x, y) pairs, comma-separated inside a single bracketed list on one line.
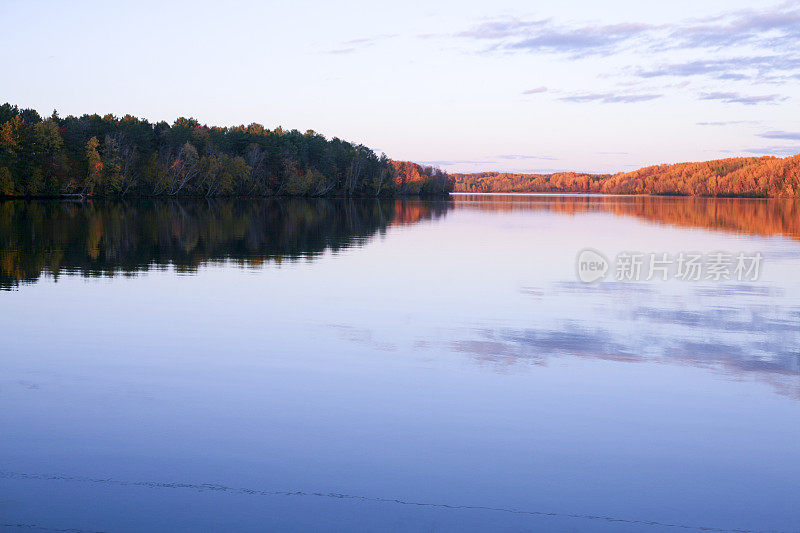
[(107, 237), (96, 156), (742, 176), (508, 182), (415, 179)]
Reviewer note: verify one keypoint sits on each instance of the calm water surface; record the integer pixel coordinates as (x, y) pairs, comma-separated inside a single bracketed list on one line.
[(363, 365)]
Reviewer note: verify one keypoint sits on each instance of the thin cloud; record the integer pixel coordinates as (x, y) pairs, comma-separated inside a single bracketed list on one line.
[(776, 27), (726, 123), (779, 26), (780, 151), (493, 160), (679, 85), (367, 41), (353, 45), (517, 157), (542, 170), (736, 98), (449, 162), (732, 68), (789, 135), (499, 29), (610, 98), (536, 90), (584, 41), (770, 33)]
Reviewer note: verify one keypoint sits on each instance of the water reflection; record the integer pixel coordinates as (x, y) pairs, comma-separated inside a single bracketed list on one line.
[(774, 216), (741, 331), (108, 238), (454, 362), (772, 355)]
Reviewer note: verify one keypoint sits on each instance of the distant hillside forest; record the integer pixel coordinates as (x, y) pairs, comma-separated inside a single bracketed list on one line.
[(741, 176), (106, 156)]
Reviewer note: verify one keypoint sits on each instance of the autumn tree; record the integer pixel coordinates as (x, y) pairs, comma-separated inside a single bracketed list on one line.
[(94, 164)]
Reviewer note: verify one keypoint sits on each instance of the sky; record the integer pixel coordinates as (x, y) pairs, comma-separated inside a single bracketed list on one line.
[(466, 85)]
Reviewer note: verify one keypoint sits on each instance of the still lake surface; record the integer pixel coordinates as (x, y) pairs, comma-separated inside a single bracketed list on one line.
[(239, 365)]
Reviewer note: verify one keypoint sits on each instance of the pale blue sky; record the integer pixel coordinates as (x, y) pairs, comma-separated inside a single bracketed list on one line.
[(501, 85)]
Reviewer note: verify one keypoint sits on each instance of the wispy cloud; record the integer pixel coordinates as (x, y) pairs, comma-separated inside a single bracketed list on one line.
[(449, 162), (517, 157), (353, 45), (781, 25), (726, 123), (540, 170), (736, 98), (489, 160), (789, 135), (499, 29), (716, 43), (777, 27), (535, 90), (781, 151), (588, 40), (545, 35), (610, 98), (500, 163), (366, 41), (731, 68)]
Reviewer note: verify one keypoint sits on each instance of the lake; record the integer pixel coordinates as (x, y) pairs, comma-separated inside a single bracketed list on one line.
[(402, 365)]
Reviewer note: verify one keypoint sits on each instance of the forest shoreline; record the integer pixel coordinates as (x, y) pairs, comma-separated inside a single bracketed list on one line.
[(736, 177), (442, 195), (625, 194), (126, 156), (111, 157)]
